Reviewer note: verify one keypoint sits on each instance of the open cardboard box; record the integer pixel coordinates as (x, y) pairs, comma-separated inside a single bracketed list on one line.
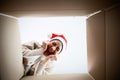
[(102, 45)]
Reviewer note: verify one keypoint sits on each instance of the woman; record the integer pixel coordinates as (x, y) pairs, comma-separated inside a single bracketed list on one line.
[(38, 59)]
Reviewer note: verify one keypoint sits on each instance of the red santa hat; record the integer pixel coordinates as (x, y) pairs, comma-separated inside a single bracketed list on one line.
[(59, 37)]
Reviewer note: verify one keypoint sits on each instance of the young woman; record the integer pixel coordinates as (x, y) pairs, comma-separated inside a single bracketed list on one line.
[(38, 59)]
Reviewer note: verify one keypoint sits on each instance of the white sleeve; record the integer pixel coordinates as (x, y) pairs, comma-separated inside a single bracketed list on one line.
[(44, 69), (28, 49)]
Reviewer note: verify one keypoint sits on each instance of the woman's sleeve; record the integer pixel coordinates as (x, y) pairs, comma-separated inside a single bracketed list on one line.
[(44, 69), (29, 49)]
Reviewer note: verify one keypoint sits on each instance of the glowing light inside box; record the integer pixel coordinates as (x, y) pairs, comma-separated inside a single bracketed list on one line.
[(74, 59)]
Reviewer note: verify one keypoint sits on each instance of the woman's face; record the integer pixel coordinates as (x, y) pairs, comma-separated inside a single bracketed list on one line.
[(54, 47)]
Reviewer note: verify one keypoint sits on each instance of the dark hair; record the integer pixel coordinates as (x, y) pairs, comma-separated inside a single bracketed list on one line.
[(60, 42)]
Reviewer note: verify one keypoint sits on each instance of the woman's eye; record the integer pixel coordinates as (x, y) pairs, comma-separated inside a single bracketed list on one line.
[(57, 48), (54, 44)]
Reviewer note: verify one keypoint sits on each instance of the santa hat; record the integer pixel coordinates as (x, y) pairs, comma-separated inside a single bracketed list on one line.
[(59, 37)]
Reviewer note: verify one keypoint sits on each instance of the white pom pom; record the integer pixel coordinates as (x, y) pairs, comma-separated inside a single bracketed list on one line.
[(49, 35)]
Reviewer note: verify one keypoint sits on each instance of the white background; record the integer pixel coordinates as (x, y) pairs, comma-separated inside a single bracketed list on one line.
[(74, 59)]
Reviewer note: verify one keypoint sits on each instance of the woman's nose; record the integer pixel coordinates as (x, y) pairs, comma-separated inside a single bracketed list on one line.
[(53, 48)]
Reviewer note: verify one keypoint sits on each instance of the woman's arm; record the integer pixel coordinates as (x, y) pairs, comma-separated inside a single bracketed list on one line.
[(32, 49), (45, 67)]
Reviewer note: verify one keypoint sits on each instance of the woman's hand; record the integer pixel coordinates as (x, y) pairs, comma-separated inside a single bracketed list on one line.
[(44, 45), (50, 57)]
